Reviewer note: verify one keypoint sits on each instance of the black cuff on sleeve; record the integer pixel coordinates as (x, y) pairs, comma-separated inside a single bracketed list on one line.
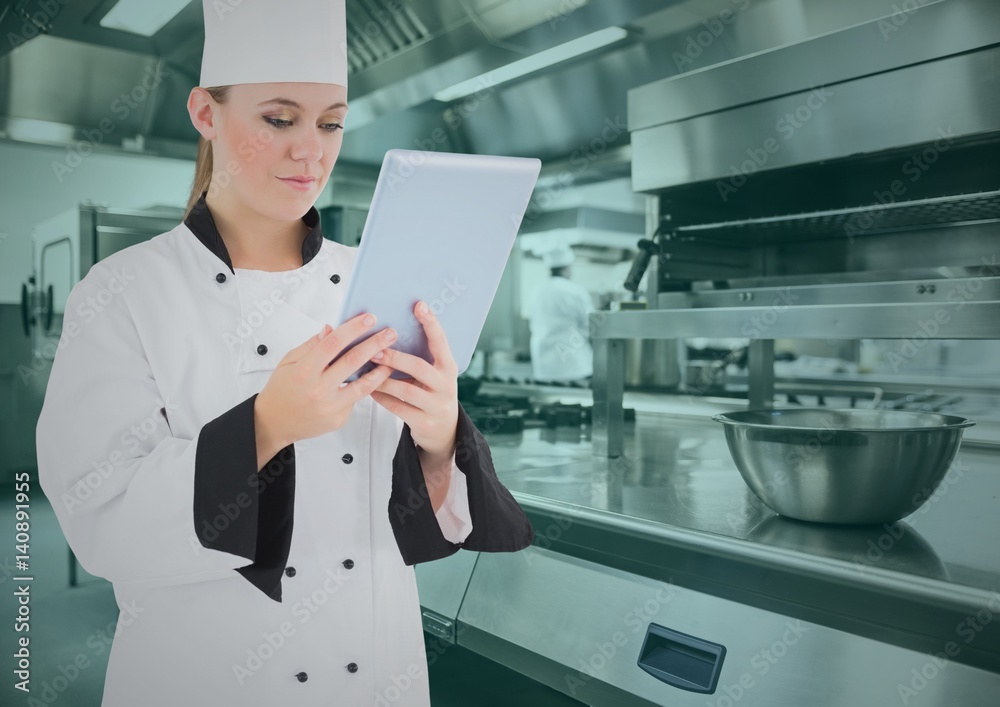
[(237, 509), (498, 523)]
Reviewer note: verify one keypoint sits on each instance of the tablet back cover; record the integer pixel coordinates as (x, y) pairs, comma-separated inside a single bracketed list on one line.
[(440, 229)]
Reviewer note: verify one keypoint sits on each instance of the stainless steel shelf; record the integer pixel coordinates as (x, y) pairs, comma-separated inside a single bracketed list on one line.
[(942, 285), (781, 320), (962, 309)]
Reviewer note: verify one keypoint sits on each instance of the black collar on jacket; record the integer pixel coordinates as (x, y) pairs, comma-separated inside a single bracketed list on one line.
[(202, 225)]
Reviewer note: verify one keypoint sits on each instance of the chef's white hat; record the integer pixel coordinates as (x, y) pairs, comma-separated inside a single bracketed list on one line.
[(265, 41), (558, 257)]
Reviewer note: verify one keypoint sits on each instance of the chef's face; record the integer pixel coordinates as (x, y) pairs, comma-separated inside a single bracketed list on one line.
[(273, 131)]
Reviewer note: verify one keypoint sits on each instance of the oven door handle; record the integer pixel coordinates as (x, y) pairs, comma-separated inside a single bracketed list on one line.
[(683, 661)]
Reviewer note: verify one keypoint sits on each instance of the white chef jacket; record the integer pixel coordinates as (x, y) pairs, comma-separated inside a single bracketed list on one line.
[(293, 585), (560, 331)]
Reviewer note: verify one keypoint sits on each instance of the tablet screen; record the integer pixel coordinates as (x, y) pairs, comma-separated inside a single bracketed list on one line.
[(440, 229)]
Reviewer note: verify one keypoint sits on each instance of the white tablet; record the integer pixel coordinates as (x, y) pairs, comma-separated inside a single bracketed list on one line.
[(440, 229)]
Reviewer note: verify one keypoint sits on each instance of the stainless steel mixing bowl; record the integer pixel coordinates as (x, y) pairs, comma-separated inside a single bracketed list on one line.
[(843, 466)]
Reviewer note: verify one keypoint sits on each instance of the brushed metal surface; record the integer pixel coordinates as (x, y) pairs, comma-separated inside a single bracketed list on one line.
[(674, 502), (855, 49), (928, 286), (578, 627), (441, 585), (855, 117), (778, 318)]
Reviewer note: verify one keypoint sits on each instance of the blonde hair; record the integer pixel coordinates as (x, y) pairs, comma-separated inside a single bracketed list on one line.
[(203, 164)]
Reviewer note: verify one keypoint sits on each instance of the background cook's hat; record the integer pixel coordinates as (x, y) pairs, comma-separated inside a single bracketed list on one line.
[(558, 257), (270, 41)]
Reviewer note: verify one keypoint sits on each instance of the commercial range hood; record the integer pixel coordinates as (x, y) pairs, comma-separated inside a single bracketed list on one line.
[(63, 72)]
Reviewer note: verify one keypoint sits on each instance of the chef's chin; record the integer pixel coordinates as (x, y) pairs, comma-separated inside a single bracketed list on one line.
[(289, 204)]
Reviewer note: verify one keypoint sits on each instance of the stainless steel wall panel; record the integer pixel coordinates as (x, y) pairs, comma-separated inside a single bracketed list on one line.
[(866, 115)]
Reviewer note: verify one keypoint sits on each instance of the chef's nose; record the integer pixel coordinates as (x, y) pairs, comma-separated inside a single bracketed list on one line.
[(307, 147)]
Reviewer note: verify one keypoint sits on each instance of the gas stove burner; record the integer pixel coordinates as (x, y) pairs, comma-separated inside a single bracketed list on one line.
[(496, 413), (564, 414), (512, 413), (493, 422)]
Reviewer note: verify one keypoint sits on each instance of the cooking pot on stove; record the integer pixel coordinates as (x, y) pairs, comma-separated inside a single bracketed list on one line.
[(652, 363)]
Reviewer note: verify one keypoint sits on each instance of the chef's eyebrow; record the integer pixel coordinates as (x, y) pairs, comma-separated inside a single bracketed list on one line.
[(292, 104)]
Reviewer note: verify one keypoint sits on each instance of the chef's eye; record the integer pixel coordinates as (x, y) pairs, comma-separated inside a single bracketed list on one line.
[(282, 123), (277, 122)]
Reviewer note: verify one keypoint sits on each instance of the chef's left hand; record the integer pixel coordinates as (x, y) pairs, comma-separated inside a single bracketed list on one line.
[(428, 401)]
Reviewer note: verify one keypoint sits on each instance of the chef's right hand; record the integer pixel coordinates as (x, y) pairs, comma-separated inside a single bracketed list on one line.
[(304, 398)]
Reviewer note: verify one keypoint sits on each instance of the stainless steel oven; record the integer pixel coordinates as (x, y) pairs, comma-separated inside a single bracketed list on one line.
[(63, 249)]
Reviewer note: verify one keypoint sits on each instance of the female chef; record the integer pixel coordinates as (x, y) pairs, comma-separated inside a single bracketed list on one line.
[(258, 518)]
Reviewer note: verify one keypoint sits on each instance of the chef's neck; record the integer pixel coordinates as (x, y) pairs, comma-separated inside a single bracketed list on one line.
[(255, 242)]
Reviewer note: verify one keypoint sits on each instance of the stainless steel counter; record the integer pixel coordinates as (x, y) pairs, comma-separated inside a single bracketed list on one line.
[(675, 508)]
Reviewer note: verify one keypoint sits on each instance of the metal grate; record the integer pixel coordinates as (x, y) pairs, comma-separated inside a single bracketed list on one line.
[(380, 29), (858, 221)]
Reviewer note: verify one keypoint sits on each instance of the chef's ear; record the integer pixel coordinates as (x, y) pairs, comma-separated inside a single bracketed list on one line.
[(202, 109)]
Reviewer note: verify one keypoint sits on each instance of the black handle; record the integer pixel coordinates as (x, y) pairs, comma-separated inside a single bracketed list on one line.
[(681, 660), (49, 308), (639, 265), (25, 317)]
